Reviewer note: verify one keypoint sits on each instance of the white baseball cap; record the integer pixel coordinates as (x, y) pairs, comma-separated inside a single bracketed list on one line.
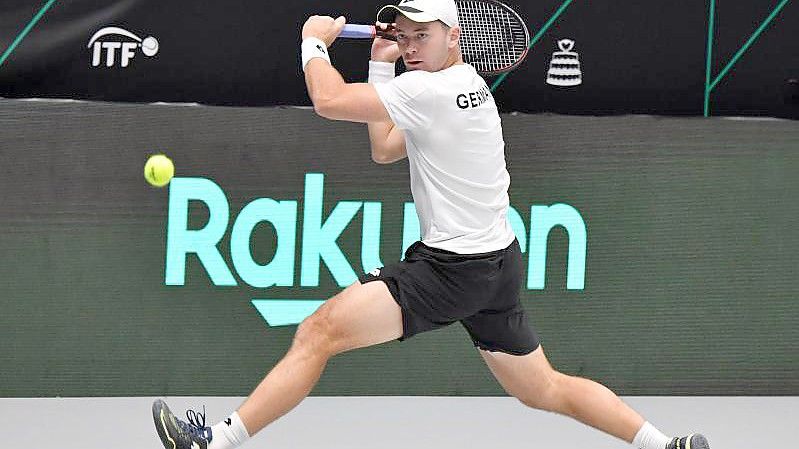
[(421, 11)]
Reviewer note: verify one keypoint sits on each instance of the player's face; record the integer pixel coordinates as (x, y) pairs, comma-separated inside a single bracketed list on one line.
[(424, 46)]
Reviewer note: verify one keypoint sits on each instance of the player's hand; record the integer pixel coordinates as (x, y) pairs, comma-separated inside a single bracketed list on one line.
[(385, 50), (324, 28)]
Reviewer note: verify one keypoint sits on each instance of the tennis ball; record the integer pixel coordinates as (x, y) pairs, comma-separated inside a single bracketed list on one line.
[(158, 170)]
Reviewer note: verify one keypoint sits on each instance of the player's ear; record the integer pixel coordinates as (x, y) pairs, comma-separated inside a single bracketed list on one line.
[(454, 36)]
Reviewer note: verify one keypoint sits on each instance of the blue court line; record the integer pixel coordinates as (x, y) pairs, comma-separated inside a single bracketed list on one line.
[(25, 31), (709, 86), (536, 38)]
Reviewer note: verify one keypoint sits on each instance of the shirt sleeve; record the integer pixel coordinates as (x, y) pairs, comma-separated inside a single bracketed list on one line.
[(409, 100)]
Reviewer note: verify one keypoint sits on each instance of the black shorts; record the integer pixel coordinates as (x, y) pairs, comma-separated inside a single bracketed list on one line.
[(435, 288)]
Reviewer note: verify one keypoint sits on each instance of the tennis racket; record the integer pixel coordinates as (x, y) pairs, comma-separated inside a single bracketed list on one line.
[(494, 38)]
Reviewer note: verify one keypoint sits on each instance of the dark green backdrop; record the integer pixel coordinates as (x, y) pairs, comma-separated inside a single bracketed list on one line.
[(690, 287)]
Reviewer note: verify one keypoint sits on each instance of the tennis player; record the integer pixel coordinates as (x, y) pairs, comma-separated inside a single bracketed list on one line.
[(467, 268)]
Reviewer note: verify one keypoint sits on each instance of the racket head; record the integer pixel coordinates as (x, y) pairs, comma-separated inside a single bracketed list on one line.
[(494, 37)]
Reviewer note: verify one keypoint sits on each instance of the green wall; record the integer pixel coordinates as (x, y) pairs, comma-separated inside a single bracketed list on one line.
[(690, 284)]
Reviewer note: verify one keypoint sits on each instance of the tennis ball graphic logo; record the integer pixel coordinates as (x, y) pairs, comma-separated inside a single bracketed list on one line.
[(149, 46), (159, 170)]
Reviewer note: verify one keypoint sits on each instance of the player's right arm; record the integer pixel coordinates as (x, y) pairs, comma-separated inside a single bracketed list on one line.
[(387, 141)]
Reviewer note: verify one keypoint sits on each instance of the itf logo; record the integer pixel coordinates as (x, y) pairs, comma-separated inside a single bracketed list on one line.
[(127, 48)]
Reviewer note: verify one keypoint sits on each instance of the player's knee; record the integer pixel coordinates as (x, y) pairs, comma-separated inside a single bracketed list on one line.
[(544, 395), (315, 335), (532, 401)]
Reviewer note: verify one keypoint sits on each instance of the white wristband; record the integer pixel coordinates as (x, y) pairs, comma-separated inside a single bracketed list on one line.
[(381, 72), (313, 48)]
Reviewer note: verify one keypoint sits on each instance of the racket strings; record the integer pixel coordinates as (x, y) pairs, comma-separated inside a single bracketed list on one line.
[(493, 37)]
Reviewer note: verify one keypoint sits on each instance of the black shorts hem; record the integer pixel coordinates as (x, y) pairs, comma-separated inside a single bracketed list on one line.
[(505, 351)]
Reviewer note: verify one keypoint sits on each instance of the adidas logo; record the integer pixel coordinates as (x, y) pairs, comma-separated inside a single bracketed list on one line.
[(375, 272), (229, 421)]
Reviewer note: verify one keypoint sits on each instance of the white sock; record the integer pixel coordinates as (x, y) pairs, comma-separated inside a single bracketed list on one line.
[(650, 438), (229, 433)]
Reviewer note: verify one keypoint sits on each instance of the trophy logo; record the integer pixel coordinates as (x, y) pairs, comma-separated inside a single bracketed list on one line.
[(564, 69)]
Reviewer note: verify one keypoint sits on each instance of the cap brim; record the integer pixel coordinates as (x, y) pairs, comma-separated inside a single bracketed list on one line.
[(388, 14)]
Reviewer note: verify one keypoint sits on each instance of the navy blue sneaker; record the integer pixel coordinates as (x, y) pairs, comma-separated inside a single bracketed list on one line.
[(692, 441), (177, 434)]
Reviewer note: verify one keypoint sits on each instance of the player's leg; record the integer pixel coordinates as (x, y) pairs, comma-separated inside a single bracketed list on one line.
[(510, 347), (532, 380), (361, 315)]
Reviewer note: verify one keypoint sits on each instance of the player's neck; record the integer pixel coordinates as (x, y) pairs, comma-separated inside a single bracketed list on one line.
[(454, 58)]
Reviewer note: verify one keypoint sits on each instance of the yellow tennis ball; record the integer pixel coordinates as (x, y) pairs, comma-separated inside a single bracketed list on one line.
[(159, 170)]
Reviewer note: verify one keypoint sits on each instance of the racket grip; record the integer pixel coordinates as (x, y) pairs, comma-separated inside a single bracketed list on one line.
[(358, 32)]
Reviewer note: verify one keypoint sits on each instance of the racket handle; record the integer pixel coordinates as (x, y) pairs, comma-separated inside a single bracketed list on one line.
[(352, 31)]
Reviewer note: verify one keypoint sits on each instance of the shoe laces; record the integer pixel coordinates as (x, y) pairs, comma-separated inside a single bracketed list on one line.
[(196, 426)]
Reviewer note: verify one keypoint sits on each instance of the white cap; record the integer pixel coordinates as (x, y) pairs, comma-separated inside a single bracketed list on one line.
[(421, 11)]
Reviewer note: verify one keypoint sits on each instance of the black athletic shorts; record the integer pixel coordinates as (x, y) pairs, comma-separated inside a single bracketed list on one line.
[(435, 288)]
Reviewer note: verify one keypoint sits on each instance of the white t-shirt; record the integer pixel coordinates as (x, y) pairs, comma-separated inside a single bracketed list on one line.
[(453, 137)]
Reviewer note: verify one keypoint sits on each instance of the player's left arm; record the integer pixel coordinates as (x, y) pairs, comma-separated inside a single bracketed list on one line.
[(331, 96)]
